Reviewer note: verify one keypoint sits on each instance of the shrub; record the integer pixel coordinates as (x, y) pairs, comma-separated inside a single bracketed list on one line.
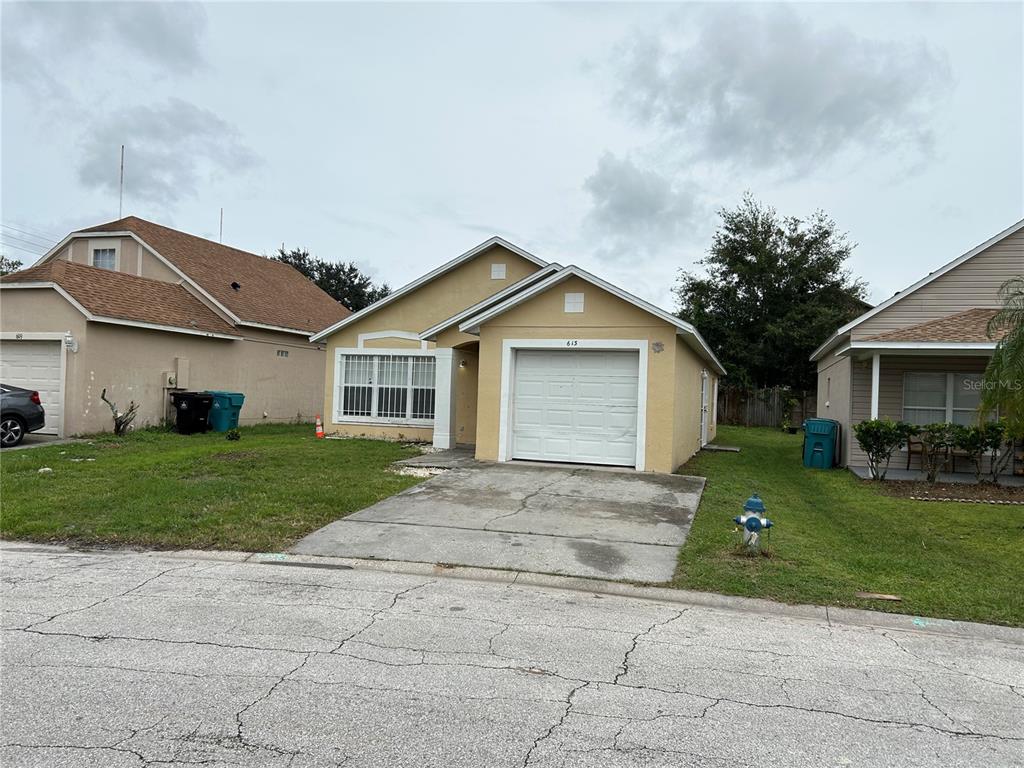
[(233, 434), (971, 440), (996, 433), (878, 438), (936, 440)]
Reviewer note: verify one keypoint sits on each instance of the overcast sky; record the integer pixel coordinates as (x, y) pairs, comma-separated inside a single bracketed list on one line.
[(606, 135)]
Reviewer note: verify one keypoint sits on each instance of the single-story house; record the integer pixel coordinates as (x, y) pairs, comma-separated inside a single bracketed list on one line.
[(919, 357), (143, 310), (523, 360)]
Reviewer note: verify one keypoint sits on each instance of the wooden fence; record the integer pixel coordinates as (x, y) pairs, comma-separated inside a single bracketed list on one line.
[(751, 407)]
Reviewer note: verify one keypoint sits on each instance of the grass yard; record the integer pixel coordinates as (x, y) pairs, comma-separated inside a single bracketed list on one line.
[(164, 490), (835, 535)]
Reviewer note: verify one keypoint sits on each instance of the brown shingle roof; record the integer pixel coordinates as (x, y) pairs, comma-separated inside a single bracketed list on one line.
[(967, 326), (270, 293), (126, 297)]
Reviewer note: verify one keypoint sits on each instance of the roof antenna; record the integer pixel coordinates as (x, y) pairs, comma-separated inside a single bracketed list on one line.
[(221, 225), (120, 187)]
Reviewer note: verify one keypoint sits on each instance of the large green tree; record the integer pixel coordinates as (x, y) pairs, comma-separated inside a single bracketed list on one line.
[(772, 289), (1004, 376), (343, 281)]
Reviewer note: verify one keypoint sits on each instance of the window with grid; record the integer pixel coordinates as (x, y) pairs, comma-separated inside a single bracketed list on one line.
[(105, 258), (389, 388), (930, 398)]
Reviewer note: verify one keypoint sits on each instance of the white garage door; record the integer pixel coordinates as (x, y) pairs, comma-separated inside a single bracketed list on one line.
[(35, 365), (575, 406)]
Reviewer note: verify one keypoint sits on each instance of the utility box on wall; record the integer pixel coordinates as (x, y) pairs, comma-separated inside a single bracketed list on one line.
[(181, 370)]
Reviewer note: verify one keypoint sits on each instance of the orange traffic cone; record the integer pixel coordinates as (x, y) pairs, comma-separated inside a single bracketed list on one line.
[(319, 428)]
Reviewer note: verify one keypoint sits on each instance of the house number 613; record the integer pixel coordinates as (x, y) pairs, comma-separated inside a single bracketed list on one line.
[(572, 343)]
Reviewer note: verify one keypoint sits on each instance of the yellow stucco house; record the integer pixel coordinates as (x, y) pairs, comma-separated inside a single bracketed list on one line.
[(524, 360)]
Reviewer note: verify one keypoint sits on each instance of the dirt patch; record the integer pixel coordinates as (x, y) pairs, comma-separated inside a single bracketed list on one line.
[(236, 455), (981, 492)]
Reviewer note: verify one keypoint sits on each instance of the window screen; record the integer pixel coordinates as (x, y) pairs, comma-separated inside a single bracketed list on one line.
[(924, 398)]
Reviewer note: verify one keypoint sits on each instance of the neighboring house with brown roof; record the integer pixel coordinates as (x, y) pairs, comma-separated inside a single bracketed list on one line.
[(144, 310), (919, 356)]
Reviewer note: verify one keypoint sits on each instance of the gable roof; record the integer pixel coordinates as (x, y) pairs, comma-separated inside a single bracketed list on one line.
[(103, 295), (969, 326), (835, 337), (429, 277), (431, 333), (271, 293), (683, 328)]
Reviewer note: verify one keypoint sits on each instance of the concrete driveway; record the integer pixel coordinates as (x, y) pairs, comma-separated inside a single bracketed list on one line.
[(579, 522)]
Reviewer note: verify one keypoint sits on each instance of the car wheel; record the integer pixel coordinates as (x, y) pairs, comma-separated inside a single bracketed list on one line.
[(12, 431)]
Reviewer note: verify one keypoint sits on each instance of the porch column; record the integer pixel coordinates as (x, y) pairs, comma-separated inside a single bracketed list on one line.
[(876, 365), (444, 399)]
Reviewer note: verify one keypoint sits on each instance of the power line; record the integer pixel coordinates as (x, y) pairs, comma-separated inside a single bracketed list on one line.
[(25, 241), (48, 237), (19, 248)]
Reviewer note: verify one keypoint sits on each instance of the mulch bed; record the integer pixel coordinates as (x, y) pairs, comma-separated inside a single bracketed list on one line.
[(922, 491)]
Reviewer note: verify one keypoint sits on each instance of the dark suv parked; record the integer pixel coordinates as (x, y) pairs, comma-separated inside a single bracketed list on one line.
[(20, 413)]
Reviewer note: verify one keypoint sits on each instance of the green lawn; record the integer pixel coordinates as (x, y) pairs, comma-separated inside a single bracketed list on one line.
[(835, 535), (163, 490)]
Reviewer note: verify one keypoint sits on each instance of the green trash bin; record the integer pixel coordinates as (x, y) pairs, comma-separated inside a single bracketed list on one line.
[(225, 409), (821, 443)]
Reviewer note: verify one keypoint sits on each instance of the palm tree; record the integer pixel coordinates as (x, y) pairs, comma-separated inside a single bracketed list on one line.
[(1004, 376)]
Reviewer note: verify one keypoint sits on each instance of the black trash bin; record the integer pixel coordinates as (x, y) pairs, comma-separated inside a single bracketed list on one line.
[(193, 409)]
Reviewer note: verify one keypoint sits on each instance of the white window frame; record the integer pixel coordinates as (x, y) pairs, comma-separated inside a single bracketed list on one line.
[(950, 390), (106, 245), (340, 355), (574, 303)]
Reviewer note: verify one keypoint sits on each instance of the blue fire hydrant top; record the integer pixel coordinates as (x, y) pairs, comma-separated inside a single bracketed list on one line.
[(754, 505)]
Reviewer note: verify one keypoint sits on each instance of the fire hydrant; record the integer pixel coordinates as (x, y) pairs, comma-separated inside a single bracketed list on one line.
[(753, 521)]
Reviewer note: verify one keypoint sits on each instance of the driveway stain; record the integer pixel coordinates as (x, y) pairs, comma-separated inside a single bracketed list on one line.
[(602, 557)]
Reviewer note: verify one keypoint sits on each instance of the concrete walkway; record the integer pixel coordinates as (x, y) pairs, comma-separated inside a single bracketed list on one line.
[(545, 519)]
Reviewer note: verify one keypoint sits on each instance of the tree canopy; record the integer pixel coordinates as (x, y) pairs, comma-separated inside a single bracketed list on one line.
[(773, 289), (9, 264), (343, 281)]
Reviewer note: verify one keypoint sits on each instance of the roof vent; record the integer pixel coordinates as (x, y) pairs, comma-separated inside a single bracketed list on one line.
[(236, 286)]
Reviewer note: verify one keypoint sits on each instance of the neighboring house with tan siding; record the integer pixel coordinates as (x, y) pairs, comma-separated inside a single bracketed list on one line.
[(143, 310), (919, 356), (523, 360)]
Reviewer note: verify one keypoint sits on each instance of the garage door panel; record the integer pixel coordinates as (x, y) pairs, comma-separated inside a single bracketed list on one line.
[(36, 365), (532, 388), (588, 413)]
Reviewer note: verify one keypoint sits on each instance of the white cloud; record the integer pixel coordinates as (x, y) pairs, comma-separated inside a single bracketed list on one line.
[(765, 89), (171, 149), (49, 47), (635, 210)]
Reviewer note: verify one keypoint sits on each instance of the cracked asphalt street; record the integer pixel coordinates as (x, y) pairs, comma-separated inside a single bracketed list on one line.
[(117, 659)]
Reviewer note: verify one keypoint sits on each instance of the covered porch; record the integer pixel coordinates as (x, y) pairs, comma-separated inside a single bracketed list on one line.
[(917, 386)]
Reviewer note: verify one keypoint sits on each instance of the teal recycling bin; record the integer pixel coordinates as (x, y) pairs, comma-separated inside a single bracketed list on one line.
[(821, 443), (225, 409)]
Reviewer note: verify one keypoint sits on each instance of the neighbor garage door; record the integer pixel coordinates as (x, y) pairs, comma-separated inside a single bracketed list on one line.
[(575, 406), (35, 365)]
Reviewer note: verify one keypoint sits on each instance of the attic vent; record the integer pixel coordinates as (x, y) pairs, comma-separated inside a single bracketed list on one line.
[(236, 286)]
